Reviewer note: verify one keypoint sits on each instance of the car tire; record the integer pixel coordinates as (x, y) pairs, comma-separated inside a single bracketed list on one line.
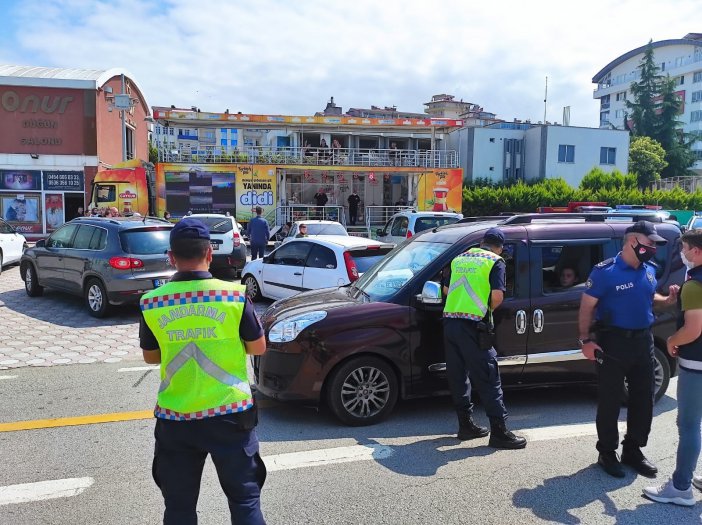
[(253, 289), (31, 281), (96, 300), (362, 391), (661, 374)]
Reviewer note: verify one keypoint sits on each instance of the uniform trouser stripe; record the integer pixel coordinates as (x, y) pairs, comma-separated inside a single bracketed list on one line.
[(192, 351), (469, 290)]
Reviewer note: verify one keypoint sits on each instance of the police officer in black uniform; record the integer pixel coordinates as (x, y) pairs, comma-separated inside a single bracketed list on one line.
[(619, 296)]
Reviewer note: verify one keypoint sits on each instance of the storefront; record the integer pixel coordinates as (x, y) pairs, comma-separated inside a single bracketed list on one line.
[(37, 202)]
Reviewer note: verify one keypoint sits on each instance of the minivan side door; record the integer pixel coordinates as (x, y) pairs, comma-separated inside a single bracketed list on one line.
[(427, 343), (553, 320)]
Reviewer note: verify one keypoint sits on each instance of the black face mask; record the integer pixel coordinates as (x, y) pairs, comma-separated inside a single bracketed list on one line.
[(644, 253)]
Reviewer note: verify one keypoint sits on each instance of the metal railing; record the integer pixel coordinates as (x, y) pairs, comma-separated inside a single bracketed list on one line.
[(304, 212), (313, 156), (376, 216), (689, 184)]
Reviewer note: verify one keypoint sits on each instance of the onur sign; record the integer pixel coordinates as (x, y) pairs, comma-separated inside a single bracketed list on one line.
[(11, 101)]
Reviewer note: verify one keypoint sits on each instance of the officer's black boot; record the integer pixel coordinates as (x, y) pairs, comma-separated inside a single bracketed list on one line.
[(467, 429), (500, 437)]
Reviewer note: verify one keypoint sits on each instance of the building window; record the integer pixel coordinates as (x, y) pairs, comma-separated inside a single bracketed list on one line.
[(621, 96), (223, 142), (224, 131), (696, 96), (566, 153), (680, 80), (697, 76), (170, 131), (698, 154), (608, 155), (695, 116), (158, 130), (233, 142), (619, 113)]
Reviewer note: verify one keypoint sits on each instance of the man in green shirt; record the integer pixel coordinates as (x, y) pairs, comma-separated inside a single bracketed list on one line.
[(686, 345)]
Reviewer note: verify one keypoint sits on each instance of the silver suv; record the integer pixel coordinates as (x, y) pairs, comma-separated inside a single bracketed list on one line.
[(405, 224), (107, 261)]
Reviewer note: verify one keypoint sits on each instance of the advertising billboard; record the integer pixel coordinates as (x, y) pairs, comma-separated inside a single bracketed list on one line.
[(440, 190)]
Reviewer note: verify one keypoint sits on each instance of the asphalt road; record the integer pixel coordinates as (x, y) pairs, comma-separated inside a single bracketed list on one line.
[(408, 469)]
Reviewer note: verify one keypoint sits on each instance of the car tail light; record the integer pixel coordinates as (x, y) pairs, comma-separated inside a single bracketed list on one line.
[(237, 239), (126, 263), (350, 267), (409, 234)]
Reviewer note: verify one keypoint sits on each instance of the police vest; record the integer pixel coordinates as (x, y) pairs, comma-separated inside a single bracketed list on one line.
[(690, 355), (203, 360), (469, 290)]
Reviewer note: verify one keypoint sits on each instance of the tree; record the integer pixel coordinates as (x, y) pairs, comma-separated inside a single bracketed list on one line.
[(654, 108), (597, 179), (153, 153), (646, 160)]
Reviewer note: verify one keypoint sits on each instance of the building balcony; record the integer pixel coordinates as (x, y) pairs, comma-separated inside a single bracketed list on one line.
[(312, 156)]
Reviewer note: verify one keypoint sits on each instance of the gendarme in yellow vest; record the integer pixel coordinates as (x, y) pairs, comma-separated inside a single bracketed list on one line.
[(469, 290), (203, 360)]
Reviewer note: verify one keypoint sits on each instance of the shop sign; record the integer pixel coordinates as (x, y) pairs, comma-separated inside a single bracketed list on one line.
[(64, 180)]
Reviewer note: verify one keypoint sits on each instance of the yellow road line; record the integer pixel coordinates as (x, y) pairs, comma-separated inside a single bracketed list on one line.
[(114, 417)]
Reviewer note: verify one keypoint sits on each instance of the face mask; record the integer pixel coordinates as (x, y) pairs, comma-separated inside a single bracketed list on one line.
[(644, 253), (690, 265)]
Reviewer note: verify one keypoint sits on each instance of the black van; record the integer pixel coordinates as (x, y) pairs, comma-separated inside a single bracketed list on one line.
[(361, 347)]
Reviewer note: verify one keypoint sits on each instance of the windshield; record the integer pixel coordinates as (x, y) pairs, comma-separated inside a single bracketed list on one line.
[(145, 242), (697, 223), (384, 279), (325, 229), (365, 259), (217, 224), (425, 223)]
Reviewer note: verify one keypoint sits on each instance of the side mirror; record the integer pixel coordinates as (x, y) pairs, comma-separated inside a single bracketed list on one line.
[(266, 259), (40, 243), (431, 293), (379, 232)]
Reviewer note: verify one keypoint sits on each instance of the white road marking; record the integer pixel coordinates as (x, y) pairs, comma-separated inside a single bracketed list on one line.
[(7, 377), (562, 431), (42, 490), (139, 368), (326, 456)]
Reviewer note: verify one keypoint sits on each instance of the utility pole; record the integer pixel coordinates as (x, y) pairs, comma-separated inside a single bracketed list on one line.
[(545, 98), (124, 127)]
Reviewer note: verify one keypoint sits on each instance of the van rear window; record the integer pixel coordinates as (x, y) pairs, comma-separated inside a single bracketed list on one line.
[(150, 241)]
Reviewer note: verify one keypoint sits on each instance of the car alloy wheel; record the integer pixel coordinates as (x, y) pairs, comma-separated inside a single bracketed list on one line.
[(96, 298), (253, 291), (363, 391), (31, 283)]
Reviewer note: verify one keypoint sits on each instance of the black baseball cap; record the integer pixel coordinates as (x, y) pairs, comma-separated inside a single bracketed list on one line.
[(648, 229), (190, 228), (494, 236)]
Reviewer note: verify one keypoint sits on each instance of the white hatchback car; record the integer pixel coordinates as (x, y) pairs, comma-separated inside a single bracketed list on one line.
[(311, 263), (405, 224), (315, 228), (12, 245)]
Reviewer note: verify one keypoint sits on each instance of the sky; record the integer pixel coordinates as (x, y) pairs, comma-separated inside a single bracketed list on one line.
[(289, 57)]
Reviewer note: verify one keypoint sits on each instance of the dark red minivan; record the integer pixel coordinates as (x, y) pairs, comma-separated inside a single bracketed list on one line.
[(361, 347)]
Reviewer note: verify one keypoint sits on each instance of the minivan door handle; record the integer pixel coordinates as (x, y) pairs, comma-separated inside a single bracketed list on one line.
[(521, 322), (538, 321)]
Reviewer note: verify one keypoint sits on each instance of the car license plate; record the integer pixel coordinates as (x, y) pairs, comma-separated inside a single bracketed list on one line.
[(159, 282), (215, 246)]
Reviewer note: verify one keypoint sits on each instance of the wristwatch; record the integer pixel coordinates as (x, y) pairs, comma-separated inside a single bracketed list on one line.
[(585, 341)]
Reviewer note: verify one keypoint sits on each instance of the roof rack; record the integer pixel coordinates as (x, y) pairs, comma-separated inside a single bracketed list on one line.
[(482, 218), (527, 218)]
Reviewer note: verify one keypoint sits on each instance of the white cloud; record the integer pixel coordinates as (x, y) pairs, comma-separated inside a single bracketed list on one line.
[(290, 57)]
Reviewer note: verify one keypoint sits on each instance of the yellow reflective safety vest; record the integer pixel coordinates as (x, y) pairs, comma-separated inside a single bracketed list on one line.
[(203, 360), (469, 291)]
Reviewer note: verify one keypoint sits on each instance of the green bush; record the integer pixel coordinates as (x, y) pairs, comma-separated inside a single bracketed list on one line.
[(496, 199)]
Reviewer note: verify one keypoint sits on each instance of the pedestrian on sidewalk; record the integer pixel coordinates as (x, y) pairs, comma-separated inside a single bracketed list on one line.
[(200, 330), (354, 200), (619, 296), (686, 345), (258, 233), (474, 288)]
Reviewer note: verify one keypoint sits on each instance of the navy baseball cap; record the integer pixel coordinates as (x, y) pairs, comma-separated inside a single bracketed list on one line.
[(189, 228), (494, 236), (648, 229)]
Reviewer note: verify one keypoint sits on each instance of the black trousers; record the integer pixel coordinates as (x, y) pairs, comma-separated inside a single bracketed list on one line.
[(629, 358), (179, 457), (353, 214), (467, 364), (257, 251)]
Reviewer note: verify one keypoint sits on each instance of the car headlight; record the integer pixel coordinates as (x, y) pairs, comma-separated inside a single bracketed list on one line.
[(288, 329)]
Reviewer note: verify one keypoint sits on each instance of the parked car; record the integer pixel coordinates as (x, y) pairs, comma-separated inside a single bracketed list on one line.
[(107, 261), (310, 263), (359, 348), (12, 245), (407, 223), (316, 228), (228, 250), (694, 222)]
